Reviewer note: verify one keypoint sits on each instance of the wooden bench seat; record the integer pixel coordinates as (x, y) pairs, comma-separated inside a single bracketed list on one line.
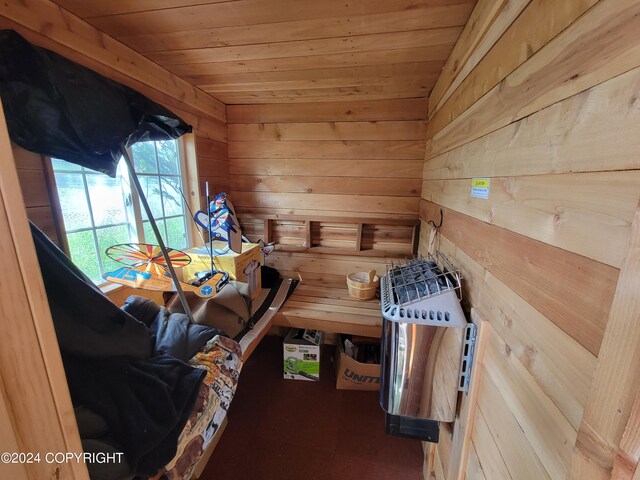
[(329, 308)]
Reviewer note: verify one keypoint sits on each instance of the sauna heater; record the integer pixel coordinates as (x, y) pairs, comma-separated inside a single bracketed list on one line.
[(423, 346)]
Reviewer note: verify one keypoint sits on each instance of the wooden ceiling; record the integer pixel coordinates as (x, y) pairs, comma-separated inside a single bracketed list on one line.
[(270, 51)]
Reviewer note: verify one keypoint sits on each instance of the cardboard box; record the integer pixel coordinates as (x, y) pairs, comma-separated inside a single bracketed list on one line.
[(354, 375), (301, 350), (231, 262)]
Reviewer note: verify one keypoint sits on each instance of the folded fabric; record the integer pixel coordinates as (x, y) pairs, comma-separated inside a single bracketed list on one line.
[(174, 334), (145, 403)]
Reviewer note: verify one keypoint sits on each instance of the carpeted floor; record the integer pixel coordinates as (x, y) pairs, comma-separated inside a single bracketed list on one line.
[(290, 429)]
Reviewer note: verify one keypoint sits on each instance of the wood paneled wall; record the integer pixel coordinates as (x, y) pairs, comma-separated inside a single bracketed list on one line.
[(542, 98), (213, 166), (40, 201), (322, 161)]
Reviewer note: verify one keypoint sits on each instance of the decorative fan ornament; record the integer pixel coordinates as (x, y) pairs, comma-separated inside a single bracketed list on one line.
[(149, 256), (146, 268)]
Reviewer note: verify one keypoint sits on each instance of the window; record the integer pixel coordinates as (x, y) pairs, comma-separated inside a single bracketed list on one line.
[(100, 211)]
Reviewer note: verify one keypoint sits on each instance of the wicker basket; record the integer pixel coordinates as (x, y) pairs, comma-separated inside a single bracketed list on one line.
[(363, 285)]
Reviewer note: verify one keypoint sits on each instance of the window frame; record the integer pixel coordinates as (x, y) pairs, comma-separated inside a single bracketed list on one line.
[(132, 208), (135, 199)]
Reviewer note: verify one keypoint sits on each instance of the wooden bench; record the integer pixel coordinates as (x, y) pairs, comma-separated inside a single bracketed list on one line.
[(329, 308)]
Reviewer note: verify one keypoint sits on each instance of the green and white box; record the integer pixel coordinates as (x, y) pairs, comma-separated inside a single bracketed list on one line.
[(302, 354)]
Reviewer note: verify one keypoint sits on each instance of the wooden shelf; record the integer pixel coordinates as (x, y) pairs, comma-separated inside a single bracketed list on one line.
[(353, 236)]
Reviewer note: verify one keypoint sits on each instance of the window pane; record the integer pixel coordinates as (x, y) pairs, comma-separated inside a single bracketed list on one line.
[(73, 201), (149, 236), (83, 253), (144, 157), (171, 196), (168, 157), (106, 199), (176, 236), (63, 165), (106, 238), (151, 189)]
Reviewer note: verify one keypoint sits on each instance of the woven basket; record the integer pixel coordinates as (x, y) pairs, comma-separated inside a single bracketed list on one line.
[(363, 285)]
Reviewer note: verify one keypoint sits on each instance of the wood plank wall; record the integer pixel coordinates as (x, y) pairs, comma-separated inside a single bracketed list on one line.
[(542, 98), (41, 203), (322, 161)]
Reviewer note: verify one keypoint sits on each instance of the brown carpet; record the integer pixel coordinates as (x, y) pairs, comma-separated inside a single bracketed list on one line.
[(291, 429)]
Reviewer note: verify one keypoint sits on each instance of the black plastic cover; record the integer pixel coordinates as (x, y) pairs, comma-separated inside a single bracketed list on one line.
[(58, 108), (418, 428)]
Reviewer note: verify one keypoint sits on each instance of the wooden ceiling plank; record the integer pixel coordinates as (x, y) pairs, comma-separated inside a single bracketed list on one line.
[(408, 81), (354, 25), (404, 83), (324, 95), (306, 99), (247, 12), (94, 8), (300, 48), (201, 39), (437, 55), (368, 71)]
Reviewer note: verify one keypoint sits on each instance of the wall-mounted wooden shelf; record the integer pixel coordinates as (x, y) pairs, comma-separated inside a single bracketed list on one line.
[(375, 237)]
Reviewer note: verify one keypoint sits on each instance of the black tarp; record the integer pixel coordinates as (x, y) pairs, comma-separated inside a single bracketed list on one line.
[(113, 367), (58, 108)]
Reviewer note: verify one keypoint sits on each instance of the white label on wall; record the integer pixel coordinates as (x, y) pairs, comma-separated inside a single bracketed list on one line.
[(480, 187)]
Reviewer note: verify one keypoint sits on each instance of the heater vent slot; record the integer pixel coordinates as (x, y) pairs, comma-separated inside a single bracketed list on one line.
[(468, 347)]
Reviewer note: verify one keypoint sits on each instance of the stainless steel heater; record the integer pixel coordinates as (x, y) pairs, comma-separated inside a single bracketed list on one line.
[(423, 336)]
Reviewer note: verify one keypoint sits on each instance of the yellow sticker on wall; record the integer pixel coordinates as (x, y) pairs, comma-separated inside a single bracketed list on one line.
[(480, 187)]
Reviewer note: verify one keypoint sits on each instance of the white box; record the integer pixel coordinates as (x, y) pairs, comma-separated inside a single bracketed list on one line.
[(301, 350)]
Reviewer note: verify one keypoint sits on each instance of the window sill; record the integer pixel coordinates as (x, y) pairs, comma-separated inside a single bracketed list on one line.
[(108, 287)]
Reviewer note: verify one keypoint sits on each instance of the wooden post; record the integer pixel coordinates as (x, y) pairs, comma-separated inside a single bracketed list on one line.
[(36, 414), (617, 377), (359, 238), (267, 230), (415, 241), (464, 426), (307, 240), (628, 455)]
